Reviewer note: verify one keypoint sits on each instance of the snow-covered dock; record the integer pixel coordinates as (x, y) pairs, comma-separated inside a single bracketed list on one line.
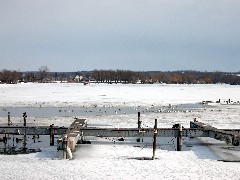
[(78, 130)]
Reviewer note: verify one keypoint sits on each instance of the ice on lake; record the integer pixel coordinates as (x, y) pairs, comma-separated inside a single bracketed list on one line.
[(59, 103)]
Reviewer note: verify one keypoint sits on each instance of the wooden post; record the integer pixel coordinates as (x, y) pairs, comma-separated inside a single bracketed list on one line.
[(5, 143), (81, 133), (24, 118), (65, 147), (24, 136), (154, 139), (13, 141), (9, 121), (25, 142), (179, 139), (51, 135), (139, 120)]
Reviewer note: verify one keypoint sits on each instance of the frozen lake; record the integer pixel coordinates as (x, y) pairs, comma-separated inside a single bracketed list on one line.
[(58, 104), (78, 95)]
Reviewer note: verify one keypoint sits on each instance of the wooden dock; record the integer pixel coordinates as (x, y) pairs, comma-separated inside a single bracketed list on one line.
[(230, 136), (71, 136), (32, 130), (78, 129)]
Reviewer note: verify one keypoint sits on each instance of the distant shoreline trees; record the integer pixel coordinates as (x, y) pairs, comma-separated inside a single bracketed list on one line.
[(43, 75), (168, 77), (10, 77)]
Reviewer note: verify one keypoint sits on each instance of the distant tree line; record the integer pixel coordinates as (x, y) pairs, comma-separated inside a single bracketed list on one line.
[(9, 77), (43, 75), (173, 77), (110, 76)]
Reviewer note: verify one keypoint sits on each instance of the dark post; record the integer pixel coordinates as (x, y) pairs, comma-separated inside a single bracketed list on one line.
[(9, 121), (64, 146), (24, 136), (179, 139), (5, 143), (154, 139), (25, 142), (13, 141), (51, 135), (24, 118), (139, 120)]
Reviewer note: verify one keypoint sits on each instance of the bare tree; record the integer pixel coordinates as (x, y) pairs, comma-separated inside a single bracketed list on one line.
[(9, 77), (43, 72)]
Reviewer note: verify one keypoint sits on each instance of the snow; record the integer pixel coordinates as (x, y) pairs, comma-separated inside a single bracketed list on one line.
[(105, 160), (118, 94)]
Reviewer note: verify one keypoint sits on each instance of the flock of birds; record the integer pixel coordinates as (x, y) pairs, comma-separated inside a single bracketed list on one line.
[(109, 109)]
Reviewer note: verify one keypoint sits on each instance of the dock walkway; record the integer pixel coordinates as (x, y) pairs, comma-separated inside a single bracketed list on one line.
[(71, 136)]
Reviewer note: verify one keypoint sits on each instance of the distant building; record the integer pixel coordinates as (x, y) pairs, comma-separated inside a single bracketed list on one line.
[(78, 78)]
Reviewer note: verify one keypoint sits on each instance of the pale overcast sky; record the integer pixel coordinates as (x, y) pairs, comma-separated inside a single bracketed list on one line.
[(139, 35)]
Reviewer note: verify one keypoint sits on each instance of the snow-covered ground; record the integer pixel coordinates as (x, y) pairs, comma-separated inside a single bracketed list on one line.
[(105, 160), (117, 94)]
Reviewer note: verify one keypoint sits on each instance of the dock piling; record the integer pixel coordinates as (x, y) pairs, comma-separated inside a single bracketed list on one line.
[(179, 139), (24, 119), (51, 135), (154, 139), (9, 121), (139, 121), (65, 147)]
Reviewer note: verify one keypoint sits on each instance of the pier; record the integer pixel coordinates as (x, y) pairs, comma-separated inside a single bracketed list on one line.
[(78, 130)]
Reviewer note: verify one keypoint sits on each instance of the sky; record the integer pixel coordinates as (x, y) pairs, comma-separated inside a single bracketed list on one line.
[(138, 35)]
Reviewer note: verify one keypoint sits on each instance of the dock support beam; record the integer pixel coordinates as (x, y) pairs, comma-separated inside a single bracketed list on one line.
[(65, 147), (139, 121), (179, 139), (51, 135), (25, 142), (154, 139), (24, 119), (24, 136), (9, 121)]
